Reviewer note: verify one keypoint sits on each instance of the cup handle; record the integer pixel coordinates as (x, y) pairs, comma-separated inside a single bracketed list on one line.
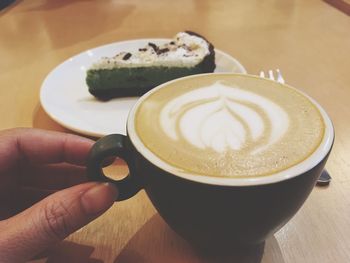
[(113, 145)]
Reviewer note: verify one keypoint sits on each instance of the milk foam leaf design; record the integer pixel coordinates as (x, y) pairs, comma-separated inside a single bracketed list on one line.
[(212, 126), (222, 117)]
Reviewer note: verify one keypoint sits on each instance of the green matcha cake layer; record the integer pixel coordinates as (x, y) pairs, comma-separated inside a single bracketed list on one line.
[(129, 74)]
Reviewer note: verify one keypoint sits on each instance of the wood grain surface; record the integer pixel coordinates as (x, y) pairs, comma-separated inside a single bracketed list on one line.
[(308, 40)]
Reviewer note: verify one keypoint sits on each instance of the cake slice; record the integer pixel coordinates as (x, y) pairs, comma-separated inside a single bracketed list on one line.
[(133, 74)]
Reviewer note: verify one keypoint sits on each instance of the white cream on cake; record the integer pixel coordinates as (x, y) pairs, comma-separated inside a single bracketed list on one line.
[(222, 118), (185, 50)]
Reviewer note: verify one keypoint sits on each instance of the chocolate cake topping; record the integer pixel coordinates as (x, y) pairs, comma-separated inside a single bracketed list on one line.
[(186, 49), (163, 50), (154, 46), (127, 56)]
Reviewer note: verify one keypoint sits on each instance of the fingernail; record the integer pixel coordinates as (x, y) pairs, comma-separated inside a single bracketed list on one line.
[(99, 198)]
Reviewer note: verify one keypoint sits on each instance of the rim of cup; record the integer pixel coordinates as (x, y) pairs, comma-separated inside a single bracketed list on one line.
[(310, 162)]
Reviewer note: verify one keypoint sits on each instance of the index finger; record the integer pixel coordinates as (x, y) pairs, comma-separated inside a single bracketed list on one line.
[(44, 147)]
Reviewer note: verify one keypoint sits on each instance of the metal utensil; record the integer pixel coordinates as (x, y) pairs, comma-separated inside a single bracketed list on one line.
[(276, 75)]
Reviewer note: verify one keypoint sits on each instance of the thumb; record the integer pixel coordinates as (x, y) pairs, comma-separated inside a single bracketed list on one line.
[(52, 219)]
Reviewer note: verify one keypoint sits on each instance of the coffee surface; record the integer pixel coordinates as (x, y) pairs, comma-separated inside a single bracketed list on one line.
[(229, 126)]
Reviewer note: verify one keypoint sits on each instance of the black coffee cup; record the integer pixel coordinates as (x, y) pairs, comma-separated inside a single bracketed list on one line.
[(217, 213)]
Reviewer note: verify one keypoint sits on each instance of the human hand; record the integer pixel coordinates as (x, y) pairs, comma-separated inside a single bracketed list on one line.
[(34, 165)]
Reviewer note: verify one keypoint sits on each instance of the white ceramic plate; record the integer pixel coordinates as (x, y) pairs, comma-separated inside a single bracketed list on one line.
[(65, 98)]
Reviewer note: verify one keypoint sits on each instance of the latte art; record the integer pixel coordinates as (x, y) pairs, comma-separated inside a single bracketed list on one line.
[(221, 117), (228, 125)]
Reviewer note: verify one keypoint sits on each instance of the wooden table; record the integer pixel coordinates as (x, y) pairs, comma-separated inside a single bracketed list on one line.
[(308, 40)]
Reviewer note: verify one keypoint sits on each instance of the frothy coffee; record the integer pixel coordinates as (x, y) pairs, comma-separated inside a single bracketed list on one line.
[(229, 126)]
